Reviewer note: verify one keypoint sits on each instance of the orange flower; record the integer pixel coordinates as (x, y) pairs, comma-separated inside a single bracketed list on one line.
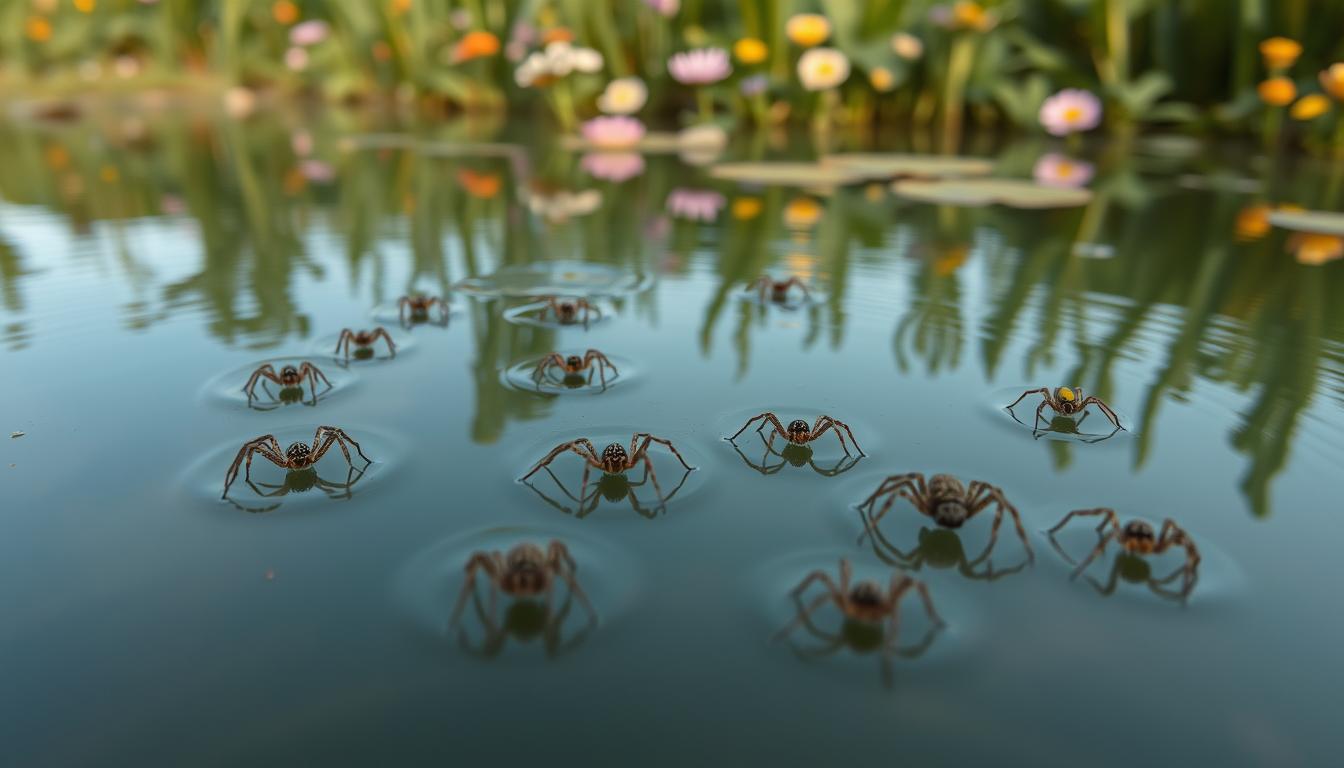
[(1252, 222), (881, 79), (401, 6), (474, 45), (38, 29), (969, 15), (557, 35), (57, 157), (1332, 80), (85, 6), (481, 185), (1280, 53), (285, 12), (750, 50), (1314, 249), (1277, 91), (746, 208), (1310, 107), (381, 50)]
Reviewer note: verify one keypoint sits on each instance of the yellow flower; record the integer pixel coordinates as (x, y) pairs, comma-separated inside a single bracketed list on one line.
[(109, 174), (1314, 249), (1280, 53), (750, 50), (802, 213), (475, 45), (949, 260), (1332, 80), (882, 79), (285, 12), (800, 265), (85, 6), (1310, 107), (1252, 222), (808, 29), (57, 157), (746, 208), (38, 29), (969, 15), (401, 6), (1277, 91)]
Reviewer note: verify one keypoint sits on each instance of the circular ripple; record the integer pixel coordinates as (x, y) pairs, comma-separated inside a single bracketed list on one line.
[(228, 386), (390, 315), (568, 278), (920, 642), (1090, 426), (816, 295), (530, 314), (1219, 576), (325, 346), (610, 496), (520, 377), (427, 589), (205, 476)]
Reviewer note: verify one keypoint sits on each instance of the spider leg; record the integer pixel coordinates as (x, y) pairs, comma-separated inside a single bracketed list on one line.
[(344, 338), (573, 445), (1037, 421), (382, 332), (1106, 409), (900, 584), (478, 561), (266, 446), (341, 439), (993, 494), (266, 370), (1108, 518), (1111, 581), (1101, 545), (842, 465), (661, 441), (767, 416), (313, 373), (1021, 397), (840, 425), (890, 484), (795, 281), (1173, 535), (547, 362), (804, 616)]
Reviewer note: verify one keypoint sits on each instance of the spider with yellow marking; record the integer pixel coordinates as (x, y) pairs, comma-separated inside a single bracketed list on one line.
[(1067, 401)]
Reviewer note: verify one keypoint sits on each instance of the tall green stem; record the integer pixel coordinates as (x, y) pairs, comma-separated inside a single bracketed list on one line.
[(954, 94)]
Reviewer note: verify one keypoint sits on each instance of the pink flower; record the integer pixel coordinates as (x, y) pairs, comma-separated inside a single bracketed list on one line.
[(615, 167), (302, 143), (317, 171), (296, 58), (613, 132), (665, 8), (702, 66), (1069, 111), (1055, 170), (309, 32), (694, 204)]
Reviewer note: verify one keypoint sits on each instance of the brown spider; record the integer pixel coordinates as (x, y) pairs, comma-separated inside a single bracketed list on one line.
[(296, 457), (523, 573), (1067, 401), (573, 366), (289, 378), (614, 459), (1137, 538), (798, 432), (363, 342), (777, 291), (865, 607), (415, 309), (948, 502), (569, 311)]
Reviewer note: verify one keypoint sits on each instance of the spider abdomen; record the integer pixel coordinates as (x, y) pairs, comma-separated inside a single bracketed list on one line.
[(950, 513)]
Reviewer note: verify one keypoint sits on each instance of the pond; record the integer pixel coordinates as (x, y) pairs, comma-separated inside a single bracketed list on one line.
[(149, 266)]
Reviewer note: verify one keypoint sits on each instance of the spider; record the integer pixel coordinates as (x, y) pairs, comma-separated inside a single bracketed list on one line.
[(865, 608), (614, 460), (524, 573), (798, 456), (613, 488), (363, 342), (798, 433), (939, 548), (415, 309), (569, 311), (1138, 539), (777, 291), (948, 502), (1067, 401), (296, 458), (573, 367), (290, 379)]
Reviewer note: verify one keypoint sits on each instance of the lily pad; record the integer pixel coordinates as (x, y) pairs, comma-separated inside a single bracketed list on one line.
[(891, 166), (1015, 193), (1315, 222), (558, 278), (789, 174)]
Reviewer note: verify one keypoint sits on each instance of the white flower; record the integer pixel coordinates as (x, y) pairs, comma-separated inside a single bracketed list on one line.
[(623, 96), (557, 60), (907, 46), (822, 68), (587, 60)]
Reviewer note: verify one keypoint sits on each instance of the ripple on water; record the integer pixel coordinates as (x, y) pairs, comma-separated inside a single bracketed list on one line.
[(920, 644), (391, 315), (628, 496), (331, 480), (596, 380), (1090, 426), (1130, 578), (537, 314), (227, 387), (430, 584), (797, 298), (325, 346), (560, 278)]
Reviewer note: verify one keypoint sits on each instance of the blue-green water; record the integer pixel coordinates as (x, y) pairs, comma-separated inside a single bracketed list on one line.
[(145, 274)]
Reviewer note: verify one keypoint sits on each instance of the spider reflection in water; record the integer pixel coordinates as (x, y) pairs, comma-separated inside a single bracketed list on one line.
[(796, 455), (528, 575), (612, 487), (870, 617), (1138, 540), (301, 481), (938, 548), (1066, 425)]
